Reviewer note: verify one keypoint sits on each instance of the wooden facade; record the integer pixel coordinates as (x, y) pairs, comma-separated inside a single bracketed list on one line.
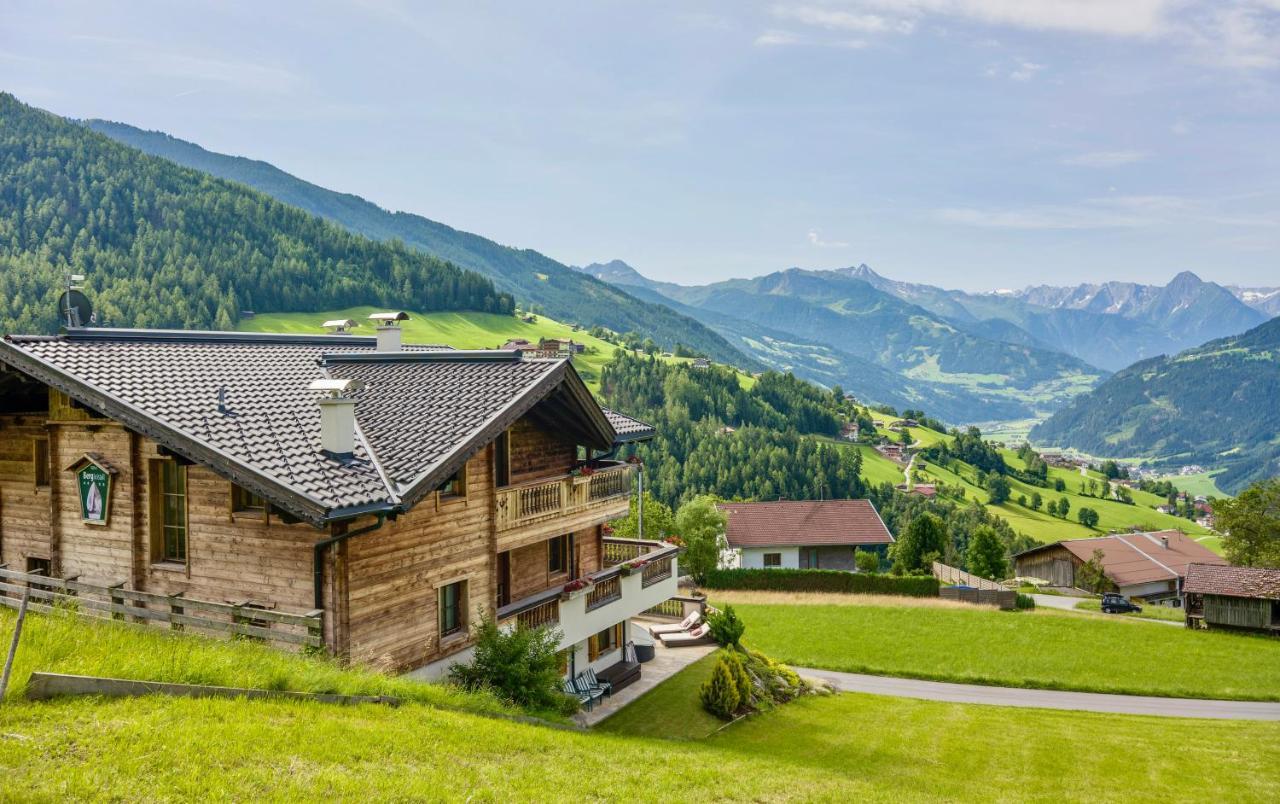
[(381, 589)]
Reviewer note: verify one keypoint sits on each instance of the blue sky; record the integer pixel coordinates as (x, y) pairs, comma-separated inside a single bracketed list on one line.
[(969, 143)]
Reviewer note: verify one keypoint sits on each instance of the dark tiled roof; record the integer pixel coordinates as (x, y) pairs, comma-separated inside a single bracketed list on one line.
[(1133, 558), (1218, 579), (627, 428), (804, 523), (421, 414)]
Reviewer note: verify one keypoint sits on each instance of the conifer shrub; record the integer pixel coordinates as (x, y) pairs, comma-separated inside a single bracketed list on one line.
[(720, 692), (726, 627), (521, 666)]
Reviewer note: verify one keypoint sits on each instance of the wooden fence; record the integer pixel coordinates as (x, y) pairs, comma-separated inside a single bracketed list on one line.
[(147, 608), (954, 575), (1004, 598)]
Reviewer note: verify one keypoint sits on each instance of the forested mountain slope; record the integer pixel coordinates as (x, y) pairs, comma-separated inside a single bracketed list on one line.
[(1217, 404), (550, 286), (164, 246)]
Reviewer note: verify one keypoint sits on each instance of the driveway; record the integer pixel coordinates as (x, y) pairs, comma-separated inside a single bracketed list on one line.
[(1069, 604), (1047, 699)]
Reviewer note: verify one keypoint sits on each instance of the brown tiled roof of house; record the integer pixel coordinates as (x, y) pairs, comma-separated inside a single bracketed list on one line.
[(808, 523), (627, 427), (240, 403), (1134, 558), (1219, 579)]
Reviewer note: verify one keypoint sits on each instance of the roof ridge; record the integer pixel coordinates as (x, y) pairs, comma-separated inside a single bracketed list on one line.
[(445, 355), (205, 336)]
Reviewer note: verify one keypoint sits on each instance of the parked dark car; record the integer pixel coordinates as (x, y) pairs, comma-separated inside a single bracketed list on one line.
[(1118, 604)]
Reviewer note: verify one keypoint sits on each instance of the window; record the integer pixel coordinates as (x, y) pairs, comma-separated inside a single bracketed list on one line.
[(452, 605), (605, 641), (38, 566), (40, 457), (502, 459), (244, 501), (455, 486), (168, 511), (558, 555), (773, 559)]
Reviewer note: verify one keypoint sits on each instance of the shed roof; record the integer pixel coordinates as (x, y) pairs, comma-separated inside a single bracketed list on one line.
[(1134, 558), (809, 523), (421, 413), (1219, 579)]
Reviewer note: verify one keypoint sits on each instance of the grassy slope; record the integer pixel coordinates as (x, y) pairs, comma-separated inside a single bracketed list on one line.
[(1049, 650), (463, 331), (1202, 483), (916, 750), (848, 747)]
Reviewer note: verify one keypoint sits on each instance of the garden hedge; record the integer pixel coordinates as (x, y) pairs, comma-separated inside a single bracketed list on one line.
[(797, 580)]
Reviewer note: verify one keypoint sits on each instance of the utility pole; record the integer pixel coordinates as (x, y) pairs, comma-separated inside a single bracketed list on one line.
[(640, 500)]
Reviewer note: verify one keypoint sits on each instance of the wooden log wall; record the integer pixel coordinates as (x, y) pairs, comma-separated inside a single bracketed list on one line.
[(25, 510), (536, 453)]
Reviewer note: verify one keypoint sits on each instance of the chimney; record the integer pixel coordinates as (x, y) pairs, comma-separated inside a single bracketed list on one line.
[(390, 336), (337, 416), (1165, 541)]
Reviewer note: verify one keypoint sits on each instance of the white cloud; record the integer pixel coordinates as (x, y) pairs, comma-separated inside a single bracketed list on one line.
[(774, 38), (816, 240), (1235, 34), (839, 20), (1025, 71), (1105, 159)]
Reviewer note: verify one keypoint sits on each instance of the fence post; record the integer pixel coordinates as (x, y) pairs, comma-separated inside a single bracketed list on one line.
[(175, 609), (13, 646), (315, 629), (116, 599)]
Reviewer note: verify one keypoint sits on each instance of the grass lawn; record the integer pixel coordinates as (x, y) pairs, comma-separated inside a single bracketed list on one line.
[(876, 468), (836, 748), (462, 331), (867, 746), (1042, 649), (1166, 613), (1203, 483)]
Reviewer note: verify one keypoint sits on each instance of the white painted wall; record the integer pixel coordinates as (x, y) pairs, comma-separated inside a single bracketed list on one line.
[(753, 557)]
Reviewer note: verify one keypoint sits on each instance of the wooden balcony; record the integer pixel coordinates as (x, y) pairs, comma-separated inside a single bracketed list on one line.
[(542, 508)]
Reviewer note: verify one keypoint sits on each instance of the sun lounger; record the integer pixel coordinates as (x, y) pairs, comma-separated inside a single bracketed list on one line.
[(698, 636), (675, 628)]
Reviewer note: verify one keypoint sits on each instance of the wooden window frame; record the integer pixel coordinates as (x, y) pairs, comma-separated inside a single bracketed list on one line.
[(767, 564), (502, 460), (558, 547), (460, 607), (455, 488), (41, 464), (158, 527), (240, 496), (594, 649)]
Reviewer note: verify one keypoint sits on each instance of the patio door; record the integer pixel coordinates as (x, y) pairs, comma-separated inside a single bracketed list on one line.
[(808, 558)]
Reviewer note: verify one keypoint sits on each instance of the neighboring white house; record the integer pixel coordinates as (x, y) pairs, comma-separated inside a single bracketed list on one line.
[(802, 534)]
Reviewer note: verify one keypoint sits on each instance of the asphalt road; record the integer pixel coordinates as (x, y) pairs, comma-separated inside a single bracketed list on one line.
[(1047, 699)]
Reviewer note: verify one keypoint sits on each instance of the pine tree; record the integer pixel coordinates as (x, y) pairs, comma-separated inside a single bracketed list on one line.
[(719, 694)]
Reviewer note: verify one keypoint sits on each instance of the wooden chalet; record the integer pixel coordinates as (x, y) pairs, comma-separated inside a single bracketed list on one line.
[(1241, 598), (1152, 565), (396, 493)]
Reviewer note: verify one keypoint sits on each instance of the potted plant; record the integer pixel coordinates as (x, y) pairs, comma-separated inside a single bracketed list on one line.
[(575, 588), (633, 566)]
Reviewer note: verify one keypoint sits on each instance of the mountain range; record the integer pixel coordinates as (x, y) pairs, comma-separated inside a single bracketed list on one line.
[(538, 281), (1216, 404)]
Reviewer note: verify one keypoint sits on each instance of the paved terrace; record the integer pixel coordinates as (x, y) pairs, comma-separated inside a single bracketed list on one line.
[(665, 664)]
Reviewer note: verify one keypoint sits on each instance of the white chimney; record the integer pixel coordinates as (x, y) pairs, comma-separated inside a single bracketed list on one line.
[(390, 337), (337, 416), (1165, 540)]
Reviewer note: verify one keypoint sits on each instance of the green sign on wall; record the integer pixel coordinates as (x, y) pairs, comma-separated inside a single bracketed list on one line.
[(95, 493)]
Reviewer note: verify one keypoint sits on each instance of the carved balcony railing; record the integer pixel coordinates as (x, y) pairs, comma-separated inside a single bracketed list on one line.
[(543, 500)]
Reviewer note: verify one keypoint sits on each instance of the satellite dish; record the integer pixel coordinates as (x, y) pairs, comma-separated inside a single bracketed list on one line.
[(74, 309)]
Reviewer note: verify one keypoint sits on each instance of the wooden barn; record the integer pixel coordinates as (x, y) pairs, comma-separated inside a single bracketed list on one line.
[(395, 493), (1244, 598)]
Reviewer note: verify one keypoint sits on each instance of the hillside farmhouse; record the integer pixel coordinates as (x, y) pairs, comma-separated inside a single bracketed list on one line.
[(805, 534), (1245, 598), (1152, 566), (401, 492)]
